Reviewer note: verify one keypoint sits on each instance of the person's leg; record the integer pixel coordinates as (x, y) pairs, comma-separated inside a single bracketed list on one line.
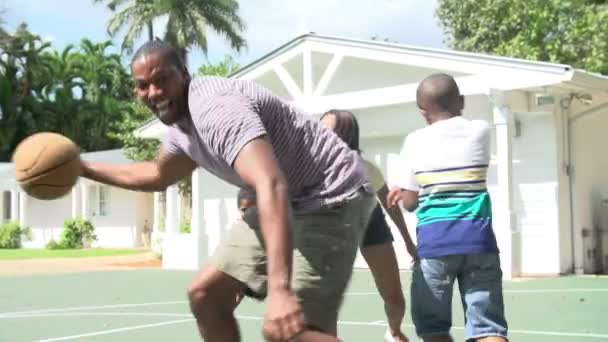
[(431, 297), (326, 243), (212, 302), (236, 269), (377, 250), (382, 262), (481, 292)]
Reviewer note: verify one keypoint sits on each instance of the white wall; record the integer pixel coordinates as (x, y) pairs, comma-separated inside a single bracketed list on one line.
[(590, 178), (536, 194), (118, 228), (46, 219)]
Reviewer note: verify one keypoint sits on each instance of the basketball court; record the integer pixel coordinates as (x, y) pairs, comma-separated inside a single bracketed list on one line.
[(150, 305)]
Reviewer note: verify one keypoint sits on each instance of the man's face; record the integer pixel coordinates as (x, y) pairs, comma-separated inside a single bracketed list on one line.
[(161, 86)]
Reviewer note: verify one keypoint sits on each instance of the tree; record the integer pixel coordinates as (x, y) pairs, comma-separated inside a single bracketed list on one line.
[(571, 32), (224, 68), (81, 92), (187, 24)]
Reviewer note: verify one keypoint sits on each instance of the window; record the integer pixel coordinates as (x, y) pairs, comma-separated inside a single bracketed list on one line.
[(104, 192), (99, 199)]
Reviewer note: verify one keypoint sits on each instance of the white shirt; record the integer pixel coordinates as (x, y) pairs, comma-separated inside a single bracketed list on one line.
[(452, 143)]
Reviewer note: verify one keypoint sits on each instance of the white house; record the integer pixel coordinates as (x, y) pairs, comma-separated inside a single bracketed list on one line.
[(547, 176), (119, 216)]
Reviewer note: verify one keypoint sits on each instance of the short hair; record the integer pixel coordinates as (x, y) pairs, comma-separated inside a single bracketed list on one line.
[(168, 52), (244, 195), (347, 127)]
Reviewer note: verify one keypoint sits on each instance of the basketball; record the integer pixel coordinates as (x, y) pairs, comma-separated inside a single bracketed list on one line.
[(47, 165)]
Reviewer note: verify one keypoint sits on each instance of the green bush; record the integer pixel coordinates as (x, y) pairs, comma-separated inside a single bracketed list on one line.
[(77, 233), (11, 235), (185, 228)]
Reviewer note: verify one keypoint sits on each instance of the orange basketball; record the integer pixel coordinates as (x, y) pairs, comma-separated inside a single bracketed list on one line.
[(47, 165)]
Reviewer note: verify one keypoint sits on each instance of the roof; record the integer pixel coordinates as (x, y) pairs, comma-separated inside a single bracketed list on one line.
[(581, 75)]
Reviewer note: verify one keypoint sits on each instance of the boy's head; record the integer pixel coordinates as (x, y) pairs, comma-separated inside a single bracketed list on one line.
[(245, 200), (438, 98)]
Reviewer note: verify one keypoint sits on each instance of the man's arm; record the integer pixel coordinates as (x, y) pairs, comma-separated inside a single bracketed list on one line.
[(157, 175), (257, 166)]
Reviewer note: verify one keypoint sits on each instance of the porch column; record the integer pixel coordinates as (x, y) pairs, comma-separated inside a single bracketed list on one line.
[(172, 218), (76, 201), (197, 221), (2, 204), (504, 220), (14, 205), (23, 209), (84, 199), (156, 217), (156, 235)]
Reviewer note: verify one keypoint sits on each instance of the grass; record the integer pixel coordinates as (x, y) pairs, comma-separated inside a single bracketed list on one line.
[(30, 253)]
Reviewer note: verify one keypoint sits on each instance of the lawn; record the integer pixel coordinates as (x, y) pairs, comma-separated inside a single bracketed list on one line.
[(29, 253)]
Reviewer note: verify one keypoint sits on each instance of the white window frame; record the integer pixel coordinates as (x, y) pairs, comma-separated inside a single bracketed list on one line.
[(99, 207)]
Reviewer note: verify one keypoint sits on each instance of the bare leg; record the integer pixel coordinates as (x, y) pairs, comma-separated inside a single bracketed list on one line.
[(382, 262), (212, 301)]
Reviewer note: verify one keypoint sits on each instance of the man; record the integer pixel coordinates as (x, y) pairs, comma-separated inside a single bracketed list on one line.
[(311, 194), (444, 177)]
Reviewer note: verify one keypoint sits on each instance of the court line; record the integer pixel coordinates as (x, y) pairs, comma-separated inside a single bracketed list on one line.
[(94, 307), (257, 318), (97, 314), (371, 293), (113, 331)]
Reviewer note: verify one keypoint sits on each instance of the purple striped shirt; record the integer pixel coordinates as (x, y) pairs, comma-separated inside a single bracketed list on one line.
[(226, 114)]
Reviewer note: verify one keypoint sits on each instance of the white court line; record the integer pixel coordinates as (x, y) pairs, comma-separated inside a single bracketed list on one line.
[(257, 318), (371, 293), (113, 331), (96, 307), (97, 314)]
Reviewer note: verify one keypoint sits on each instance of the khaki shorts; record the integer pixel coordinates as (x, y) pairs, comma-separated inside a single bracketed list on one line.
[(325, 246)]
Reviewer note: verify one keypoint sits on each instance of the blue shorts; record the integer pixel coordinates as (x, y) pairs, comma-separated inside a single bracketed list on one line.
[(480, 282), (378, 231)]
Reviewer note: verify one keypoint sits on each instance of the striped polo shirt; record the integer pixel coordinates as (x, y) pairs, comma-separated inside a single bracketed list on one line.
[(447, 164), (226, 114)]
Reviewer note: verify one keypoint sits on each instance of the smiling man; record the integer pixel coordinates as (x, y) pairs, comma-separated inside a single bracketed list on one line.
[(311, 190)]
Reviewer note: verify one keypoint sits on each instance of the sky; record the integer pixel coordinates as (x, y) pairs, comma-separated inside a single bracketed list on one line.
[(270, 23)]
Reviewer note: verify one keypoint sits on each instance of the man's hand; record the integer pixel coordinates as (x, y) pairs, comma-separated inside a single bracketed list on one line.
[(284, 318)]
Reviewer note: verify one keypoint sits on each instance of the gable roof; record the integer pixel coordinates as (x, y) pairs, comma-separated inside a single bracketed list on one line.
[(577, 76)]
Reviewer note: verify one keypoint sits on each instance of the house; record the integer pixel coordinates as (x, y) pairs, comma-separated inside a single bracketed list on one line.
[(120, 217), (548, 186)]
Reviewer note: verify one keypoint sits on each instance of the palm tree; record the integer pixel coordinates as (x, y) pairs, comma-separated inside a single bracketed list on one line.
[(187, 25)]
